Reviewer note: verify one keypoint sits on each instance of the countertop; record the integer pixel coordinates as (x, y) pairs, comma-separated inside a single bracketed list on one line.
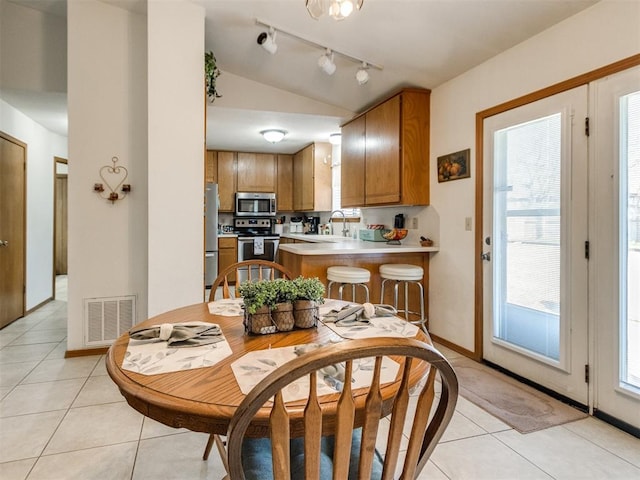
[(336, 245)]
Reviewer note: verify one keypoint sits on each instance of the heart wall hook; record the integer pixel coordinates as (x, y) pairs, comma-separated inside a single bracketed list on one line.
[(113, 176)]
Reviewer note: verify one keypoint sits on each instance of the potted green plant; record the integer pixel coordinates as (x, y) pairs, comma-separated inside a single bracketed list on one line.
[(258, 298), (285, 294), (309, 294), (211, 73)]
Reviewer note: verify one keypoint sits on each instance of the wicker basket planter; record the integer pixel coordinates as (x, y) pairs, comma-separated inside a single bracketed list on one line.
[(282, 316), (306, 313), (259, 322)]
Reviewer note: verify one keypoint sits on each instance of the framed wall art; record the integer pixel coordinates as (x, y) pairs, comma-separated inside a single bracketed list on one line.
[(454, 166)]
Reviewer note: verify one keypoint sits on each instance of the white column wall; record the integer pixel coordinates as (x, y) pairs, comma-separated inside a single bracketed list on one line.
[(600, 35), (176, 152), (107, 106)]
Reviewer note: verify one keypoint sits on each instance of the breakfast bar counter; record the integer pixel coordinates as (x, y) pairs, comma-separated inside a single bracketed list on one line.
[(311, 259)]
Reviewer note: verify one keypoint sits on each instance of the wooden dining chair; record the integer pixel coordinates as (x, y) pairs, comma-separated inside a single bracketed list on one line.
[(350, 452), (256, 270)]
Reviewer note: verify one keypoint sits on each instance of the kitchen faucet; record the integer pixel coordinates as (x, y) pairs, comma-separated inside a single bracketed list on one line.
[(345, 230)]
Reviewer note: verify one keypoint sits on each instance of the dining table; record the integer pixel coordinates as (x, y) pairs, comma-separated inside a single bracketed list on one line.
[(205, 399)]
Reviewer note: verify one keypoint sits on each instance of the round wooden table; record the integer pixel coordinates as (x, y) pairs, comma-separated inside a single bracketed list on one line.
[(205, 399)]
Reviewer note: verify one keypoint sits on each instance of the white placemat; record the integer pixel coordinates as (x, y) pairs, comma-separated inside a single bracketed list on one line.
[(254, 366), (227, 307), (152, 358), (378, 326)]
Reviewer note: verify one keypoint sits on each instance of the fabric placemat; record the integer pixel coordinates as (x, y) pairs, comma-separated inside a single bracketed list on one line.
[(392, 326), (152, 357), (227, 307), (254, 366)]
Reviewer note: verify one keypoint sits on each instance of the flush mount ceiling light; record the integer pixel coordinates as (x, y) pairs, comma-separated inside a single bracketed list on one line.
[(336, 9), (268, 41), (326, 63), (273, 136), (362, 75), (335, 139)]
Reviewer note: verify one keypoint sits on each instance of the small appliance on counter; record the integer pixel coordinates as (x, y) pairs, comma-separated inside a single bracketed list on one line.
[(398, 222), (296, 225), (312, 225)]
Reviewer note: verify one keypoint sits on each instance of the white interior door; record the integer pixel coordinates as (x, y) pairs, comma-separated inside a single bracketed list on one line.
[(615, 230), (535, 229)]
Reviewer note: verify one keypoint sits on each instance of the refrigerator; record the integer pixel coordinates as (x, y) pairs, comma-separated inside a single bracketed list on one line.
[(211, 203)]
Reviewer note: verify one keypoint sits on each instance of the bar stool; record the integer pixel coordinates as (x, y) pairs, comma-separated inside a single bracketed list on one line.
[(354, 276), (405, 274)]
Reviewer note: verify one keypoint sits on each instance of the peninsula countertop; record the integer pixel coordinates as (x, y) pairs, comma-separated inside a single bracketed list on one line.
[(336, 245)]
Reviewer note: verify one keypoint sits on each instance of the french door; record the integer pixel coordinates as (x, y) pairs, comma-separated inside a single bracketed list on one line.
[(535, 228), (615, 233)]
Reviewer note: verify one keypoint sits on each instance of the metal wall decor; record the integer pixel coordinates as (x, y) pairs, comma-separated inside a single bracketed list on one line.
[(113, 175)]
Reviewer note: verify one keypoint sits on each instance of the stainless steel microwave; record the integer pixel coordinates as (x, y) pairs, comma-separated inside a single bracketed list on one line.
[(255, 204)]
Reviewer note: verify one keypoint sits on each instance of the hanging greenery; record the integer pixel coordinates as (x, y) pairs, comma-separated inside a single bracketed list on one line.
[(211, 72)]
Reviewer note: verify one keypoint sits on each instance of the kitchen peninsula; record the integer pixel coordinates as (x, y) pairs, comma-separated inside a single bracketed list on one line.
[(311, 255)]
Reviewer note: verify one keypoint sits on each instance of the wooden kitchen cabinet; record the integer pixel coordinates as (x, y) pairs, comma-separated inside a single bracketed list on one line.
[(396, 152), (227, 253), (352, 164), (227, 181), (211, 167), (256, 172), (284, 183), (312, 178)]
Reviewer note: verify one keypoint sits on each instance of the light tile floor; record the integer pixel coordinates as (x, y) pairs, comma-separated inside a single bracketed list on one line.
[(64, 419)]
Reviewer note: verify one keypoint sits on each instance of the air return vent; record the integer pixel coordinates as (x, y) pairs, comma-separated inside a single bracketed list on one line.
[(107, 318)]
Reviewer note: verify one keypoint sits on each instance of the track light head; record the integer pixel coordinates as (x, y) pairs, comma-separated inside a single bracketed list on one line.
[(268, 41), (325, 62), (362, 75)]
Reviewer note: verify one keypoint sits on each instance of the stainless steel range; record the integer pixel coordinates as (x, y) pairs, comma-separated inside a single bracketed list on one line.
[(256, 240)]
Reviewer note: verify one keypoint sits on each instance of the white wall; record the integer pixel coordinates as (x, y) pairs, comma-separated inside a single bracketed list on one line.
[(600, 35), (42, 146), (176, 154), (107, 117)]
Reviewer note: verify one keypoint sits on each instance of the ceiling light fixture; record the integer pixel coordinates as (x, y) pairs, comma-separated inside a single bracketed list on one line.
[(326, 63), (326, 60), (362, 75), (336, 9), (268, 41), (335, 138), (273, 135)]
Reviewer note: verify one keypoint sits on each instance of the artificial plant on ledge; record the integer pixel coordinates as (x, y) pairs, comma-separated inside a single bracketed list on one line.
[(211, 73)]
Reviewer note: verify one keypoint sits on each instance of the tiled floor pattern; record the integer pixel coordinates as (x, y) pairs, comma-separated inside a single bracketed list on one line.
[(64, 419)]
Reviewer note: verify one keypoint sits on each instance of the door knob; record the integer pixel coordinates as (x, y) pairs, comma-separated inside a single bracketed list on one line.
[(4, 243), (486, 256)]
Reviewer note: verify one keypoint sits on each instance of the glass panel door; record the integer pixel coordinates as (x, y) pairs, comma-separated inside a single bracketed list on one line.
[(535, 228), (615, 229)]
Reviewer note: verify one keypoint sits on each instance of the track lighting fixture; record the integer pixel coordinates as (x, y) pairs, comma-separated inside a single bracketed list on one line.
[(268, 41), (273, 135), (336, 9), (362, 75), (325, 62)]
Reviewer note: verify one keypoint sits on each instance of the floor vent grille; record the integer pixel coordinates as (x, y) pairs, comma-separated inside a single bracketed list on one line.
[(107, 318)]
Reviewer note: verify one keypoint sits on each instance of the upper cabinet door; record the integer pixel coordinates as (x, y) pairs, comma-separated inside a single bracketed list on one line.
[(256, 172), (382, 180), (352, 169), (227, 181), (284, 187)]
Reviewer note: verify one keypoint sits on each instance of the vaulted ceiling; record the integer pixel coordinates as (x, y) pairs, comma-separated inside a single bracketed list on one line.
[(419, 43)]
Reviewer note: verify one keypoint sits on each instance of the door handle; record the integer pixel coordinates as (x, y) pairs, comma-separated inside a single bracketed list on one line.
[(4, 243), (486, 256)]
